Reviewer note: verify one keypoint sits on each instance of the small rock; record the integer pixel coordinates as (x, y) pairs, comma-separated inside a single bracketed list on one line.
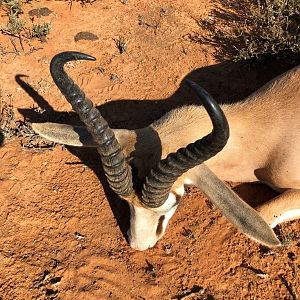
[(55, 280), (168, 249), (85, 35), (114, 77), (79, 236), (40, 12)]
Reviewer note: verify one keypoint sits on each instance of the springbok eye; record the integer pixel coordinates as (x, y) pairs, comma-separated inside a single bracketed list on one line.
[(159, 228)]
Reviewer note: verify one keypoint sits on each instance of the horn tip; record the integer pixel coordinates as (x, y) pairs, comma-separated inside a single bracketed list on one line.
[(189, 82), (72, 55)]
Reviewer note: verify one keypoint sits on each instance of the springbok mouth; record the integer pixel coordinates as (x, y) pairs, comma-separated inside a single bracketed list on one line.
[(140, 245)]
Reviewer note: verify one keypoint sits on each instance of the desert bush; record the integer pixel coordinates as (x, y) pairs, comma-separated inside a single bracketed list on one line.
[(40, 31), (16, 26), (258, 29), (13, 7), (121, 44)]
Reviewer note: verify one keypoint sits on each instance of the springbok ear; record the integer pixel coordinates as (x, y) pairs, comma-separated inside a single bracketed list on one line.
[(79, 136), (70, 135), (238, 212)]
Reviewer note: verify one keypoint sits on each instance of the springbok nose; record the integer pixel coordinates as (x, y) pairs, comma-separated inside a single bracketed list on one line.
[(140, 245)]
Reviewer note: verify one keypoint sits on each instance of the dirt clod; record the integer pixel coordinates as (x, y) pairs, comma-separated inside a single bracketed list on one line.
[(40, 12), (86, 36)]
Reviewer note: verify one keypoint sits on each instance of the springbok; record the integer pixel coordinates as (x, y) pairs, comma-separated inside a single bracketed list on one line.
[(264, 145)]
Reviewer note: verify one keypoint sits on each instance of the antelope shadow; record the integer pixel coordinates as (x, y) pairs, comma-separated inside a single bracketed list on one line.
[(227, 82)]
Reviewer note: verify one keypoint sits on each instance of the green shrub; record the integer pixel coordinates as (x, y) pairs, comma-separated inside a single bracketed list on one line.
[(15, 25), (259, 29), (40, 31), (13, 9)]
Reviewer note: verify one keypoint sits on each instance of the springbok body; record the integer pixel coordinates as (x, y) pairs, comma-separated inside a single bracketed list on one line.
[(263, 145)]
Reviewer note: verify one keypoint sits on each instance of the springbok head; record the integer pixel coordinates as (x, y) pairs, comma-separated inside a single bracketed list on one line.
[(152, 196)]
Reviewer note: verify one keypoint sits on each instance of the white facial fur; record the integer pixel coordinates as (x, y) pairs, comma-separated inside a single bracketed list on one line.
[(144, 223)]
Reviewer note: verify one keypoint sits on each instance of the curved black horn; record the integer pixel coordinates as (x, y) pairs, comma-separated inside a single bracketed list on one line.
[(160, 179), (118, 172)]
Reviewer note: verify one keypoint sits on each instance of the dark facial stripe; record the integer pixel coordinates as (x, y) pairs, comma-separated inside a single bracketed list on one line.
[(160, 226), (178, 198)]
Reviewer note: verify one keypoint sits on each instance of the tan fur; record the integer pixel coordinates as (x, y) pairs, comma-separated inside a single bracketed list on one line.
[(264, 143), (264, 134)]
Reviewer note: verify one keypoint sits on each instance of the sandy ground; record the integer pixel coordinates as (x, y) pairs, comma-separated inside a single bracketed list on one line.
[(62, 233)]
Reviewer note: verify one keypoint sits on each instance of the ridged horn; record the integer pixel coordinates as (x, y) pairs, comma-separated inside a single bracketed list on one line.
[(117, 170), (158, 183)]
